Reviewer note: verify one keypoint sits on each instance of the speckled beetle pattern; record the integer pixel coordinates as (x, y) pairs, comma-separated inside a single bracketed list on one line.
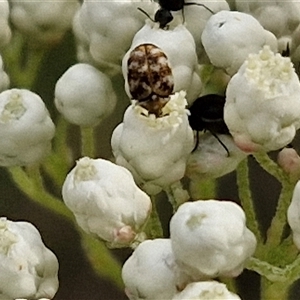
[(150, 77)]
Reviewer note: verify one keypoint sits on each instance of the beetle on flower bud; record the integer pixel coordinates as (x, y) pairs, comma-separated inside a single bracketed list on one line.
[(150, 78)]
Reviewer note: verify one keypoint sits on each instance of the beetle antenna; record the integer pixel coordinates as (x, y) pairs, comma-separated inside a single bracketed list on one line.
[(197, 142), (200, 4), (145, 13), (224, 146)]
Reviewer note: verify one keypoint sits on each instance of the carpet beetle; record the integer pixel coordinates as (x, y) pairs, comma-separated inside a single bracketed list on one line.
[(150, 77)]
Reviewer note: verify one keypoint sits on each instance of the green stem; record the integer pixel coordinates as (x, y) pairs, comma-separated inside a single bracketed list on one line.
[(153, 227), (203, 189), (33, 187), (177, 195), (279, 221), (274, 290), (101, 259), (245, 197), (87, 142)]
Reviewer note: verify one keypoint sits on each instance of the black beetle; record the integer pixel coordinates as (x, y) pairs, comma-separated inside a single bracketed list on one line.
[(164, 16), (207, 113)]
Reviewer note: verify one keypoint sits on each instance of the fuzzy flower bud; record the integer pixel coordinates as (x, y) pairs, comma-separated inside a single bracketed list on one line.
[(44, 21), (262, 109), (206, 290), (149, 145), (174, 54), (149, 272), (84, 95), (105, 201), (105, 29), (230, 36), (210, 239), (289, 160), (211, 160), (293, 215), (26, 128), (5, 32), (28, 269)]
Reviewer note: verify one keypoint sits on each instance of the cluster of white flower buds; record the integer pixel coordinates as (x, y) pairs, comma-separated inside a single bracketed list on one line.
[(163, 64)]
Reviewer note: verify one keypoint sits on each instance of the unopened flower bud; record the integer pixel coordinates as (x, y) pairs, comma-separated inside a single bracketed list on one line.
[(106, 201), (149, 272), (262, 109), (210, 239), (148, 145), (206, 290), (28, 269), (289, 160), (293, 215), (26, 128), (5, 32), (230, 36), (84, 95)]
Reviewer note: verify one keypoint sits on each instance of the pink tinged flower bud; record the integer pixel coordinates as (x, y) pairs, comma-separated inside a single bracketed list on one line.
[(230, 36), (210, 238), (262, 109), (26, 129), (206, 290), (28, 269), (148, 145), (106, 201), (84, 95), (293, 215), (289, 160), (149, 272)]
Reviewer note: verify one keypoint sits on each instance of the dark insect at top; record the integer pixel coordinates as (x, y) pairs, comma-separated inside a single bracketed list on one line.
[(163, 16), (207, 113), (150, 78)]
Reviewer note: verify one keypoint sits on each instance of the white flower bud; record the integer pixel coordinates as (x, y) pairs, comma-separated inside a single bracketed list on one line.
[(4, 79), (26, 128), (178, 46), (149, 272), (84, 95), (230, 36), (289, 160), (279, 17), (148, 146), (206, 290), (105, 29), (5, 32), (44, 21), (105, 201), (28, 269), (210, 238), (262, 109), (293, 215), (211, 160)]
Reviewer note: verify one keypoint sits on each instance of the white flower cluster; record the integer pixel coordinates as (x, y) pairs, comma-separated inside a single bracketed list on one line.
[(106, 201), (208, 239), (5, 31), (28, 269), (26, 128)]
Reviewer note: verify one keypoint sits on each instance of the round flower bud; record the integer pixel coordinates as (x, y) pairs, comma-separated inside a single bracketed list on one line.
[(205, 290), (4, 79), (44, 21), (173, 59), (289, 160), (106, 201), (230, 36), (262, 109), (293, 215), (149, 272), (84, 95), (28, 269), (5, 32), (104, 30), (211, 160), (26, 128), (148, 145), (210, 239)]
